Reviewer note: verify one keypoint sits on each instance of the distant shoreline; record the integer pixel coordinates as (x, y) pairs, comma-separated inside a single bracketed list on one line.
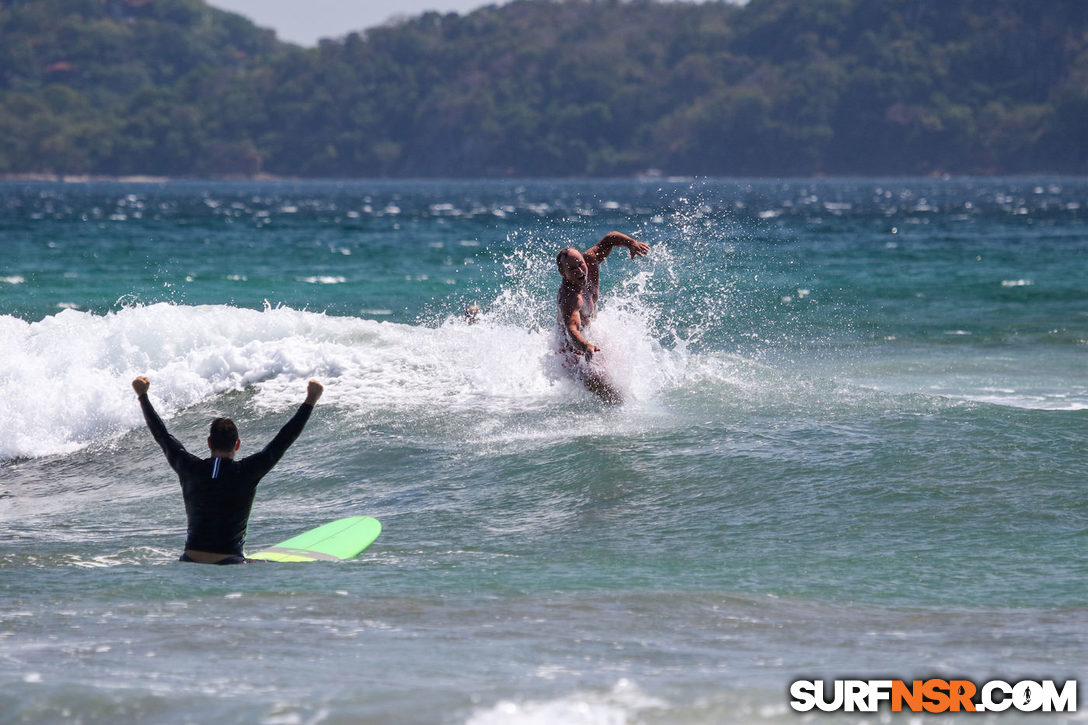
[(156, 179), (132, 178)]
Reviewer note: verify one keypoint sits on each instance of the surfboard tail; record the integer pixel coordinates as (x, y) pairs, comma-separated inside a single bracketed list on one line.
[(335, 541)]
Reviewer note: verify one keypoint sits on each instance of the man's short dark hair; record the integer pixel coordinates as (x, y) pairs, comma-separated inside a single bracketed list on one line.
[(561, 254), (224, 434)]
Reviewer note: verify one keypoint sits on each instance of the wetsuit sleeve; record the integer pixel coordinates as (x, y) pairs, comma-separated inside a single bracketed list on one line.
[(171, 446), (262, 462)]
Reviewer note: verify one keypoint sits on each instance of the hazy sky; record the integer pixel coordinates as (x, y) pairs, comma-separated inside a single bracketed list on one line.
[(304, 21)]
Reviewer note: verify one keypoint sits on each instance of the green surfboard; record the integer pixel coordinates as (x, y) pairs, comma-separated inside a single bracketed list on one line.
[(334, 541)]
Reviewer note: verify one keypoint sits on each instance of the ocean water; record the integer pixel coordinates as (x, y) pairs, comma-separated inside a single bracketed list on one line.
[(853, 444)]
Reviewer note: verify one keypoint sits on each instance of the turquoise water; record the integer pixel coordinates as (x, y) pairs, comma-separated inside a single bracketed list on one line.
[(853, 445)]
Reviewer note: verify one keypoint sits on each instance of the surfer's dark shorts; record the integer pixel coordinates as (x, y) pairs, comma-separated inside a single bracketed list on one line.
[(221, 562)]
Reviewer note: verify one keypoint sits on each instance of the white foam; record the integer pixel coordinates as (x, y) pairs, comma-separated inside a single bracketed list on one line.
[(66, 380), (620, 705), (1028, 401)]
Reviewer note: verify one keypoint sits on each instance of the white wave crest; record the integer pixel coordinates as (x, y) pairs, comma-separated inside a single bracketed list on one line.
[(66, 380)]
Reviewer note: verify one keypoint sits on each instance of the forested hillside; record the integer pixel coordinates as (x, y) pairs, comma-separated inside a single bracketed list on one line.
[(559, 88)]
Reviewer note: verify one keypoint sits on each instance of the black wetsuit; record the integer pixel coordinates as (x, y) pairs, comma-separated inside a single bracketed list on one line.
[(219, 492)]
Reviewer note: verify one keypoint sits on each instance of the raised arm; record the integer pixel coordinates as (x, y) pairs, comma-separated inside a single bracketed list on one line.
[(171, 446), (271, 454), (604, 247)]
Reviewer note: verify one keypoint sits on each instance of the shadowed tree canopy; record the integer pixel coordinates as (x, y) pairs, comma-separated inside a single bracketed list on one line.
[(551, 88)]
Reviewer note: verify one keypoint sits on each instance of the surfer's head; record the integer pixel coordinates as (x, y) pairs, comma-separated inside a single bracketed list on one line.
[(223, 435), (572, 265)]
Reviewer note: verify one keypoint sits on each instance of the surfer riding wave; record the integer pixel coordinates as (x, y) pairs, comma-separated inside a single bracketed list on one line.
[(579, 293)]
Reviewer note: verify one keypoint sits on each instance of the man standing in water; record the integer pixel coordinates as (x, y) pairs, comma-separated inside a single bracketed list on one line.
[(578, 295), (218, 491)]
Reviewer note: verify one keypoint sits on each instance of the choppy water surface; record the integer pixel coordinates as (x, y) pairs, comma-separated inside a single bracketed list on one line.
[(853, 446)]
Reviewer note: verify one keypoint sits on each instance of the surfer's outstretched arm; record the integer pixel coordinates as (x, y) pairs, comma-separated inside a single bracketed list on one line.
[(603, 248), (171, 446), (262, 462)]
